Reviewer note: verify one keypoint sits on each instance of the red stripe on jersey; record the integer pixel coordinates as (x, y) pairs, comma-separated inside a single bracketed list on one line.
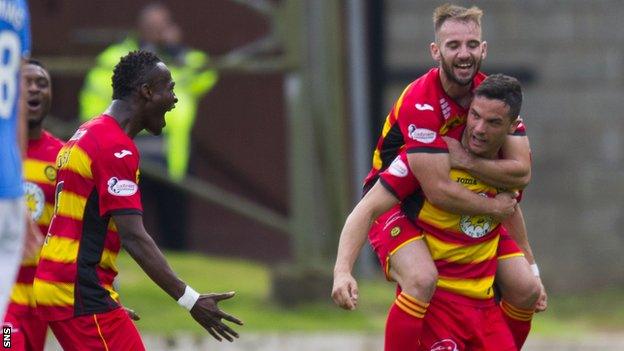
[(467, 270), (52, 271), (457, 237), (26, 274)]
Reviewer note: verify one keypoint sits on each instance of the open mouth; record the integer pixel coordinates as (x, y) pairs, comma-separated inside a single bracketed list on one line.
[(33, 104)]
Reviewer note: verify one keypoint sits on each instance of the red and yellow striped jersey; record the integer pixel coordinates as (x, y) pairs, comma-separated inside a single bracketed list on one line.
[(40, 177), (464, 248), (422, 115), (97, 178)]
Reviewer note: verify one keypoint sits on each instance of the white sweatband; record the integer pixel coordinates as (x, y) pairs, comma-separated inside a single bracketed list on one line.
[(189, 298), (535, 270)]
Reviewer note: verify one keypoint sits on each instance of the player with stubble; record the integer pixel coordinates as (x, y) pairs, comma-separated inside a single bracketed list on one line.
[(98, 210)]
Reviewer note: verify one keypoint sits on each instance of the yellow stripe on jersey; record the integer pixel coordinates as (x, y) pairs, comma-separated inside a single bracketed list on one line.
[(30, 261), (113, 294), (480, 288), (377, 163), (460, 253), (112, 226), (22, 294), (75, 159), (34, 171), (71, 205), (60, 249), (53, 293), (108, 260), (46, 215)]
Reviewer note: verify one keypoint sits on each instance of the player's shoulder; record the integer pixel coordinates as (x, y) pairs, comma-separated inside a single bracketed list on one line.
[(100, 134), (52, 141), (425, 89)]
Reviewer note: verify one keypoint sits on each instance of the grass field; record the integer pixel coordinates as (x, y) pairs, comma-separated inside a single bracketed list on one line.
[(568, 316)]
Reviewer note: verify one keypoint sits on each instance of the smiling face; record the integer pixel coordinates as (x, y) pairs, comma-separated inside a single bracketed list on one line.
[(37, 92), (459, 50), (487, 126), (161, 99)]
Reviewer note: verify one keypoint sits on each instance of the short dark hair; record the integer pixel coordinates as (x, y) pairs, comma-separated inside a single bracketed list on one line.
[(504, 88), (132, 71), (32, 61)]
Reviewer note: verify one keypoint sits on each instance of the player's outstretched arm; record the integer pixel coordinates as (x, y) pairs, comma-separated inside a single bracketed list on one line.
[(144, 251), (353, 236), (512, 172), (432, 171)]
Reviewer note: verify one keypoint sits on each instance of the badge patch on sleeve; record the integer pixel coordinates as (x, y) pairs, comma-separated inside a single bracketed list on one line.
[(398, 168), (121, 187)]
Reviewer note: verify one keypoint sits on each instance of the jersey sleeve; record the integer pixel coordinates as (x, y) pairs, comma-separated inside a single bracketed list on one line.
[(115, 174), (399, 179), (420, 123)]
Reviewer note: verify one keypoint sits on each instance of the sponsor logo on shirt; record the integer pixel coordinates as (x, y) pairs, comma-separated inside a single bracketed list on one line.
[(424, 107), (398, 168), (421, 134), (444, 345), (123, 153), (121, 187)]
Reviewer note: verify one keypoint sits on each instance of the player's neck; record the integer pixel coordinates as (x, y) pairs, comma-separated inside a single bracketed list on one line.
[(34, 132), (462, 94), (124, 113)]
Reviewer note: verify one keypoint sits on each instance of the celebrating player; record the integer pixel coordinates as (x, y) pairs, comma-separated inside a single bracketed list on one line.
[(429, 109), (29, 332), (98, 209)]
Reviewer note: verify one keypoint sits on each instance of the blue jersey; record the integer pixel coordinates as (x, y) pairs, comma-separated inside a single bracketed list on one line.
[(14, 44)]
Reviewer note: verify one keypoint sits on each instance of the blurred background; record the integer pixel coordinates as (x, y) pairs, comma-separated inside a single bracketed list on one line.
[(283, 135)]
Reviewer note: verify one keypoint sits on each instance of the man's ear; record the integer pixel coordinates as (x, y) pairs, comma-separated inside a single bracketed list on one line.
[(484, 50), (434, 50), (146, 91), (514, 125)]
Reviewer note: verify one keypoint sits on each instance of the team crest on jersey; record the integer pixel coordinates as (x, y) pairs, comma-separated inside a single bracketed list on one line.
[(395, 231), (50, 173), (398, 168), (476, 226), (444, 345), (35, 199), (121, 187), (422, 135)]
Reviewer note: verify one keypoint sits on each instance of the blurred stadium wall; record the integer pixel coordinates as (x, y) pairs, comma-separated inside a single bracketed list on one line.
[(568, 54)]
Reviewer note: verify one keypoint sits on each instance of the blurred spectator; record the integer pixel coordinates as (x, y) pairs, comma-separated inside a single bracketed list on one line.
[(158, 33)]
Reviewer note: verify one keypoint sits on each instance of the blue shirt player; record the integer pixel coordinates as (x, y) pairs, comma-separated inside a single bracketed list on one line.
[(14, 45)]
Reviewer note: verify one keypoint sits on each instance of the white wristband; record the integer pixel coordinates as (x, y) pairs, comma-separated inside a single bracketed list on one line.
[(535, 270), (189, 298)]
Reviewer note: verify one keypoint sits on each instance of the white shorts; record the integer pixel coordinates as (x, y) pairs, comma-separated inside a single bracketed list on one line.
[(12, 232)]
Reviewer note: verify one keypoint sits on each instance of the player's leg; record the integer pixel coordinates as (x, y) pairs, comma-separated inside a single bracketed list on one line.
[(520, 289), (12, 230), (493, 333), (405, 259), (412, 267), (35, 331), (104, 331)]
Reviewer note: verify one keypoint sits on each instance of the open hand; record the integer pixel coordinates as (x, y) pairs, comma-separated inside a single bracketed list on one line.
[(207, 313)]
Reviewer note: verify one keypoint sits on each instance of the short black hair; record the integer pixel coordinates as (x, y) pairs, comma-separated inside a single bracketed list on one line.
[(32, 61), (132, 71), (504, 88)]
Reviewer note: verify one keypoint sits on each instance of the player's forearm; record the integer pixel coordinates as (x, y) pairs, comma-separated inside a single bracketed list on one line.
[(352, 238), (144, 251), (502, 173), (517, 230), (453, 197)]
